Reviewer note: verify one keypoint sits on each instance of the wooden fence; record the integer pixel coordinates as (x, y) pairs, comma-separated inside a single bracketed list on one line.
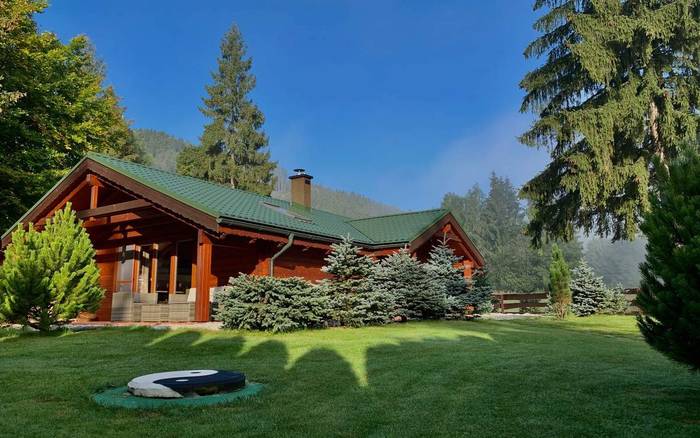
[(505, 301)]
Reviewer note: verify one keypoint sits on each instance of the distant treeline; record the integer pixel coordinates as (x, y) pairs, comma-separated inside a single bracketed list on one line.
[(161, 148)]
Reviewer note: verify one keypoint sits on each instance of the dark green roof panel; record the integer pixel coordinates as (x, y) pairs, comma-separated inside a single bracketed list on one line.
[(396, 227), (225, 203)]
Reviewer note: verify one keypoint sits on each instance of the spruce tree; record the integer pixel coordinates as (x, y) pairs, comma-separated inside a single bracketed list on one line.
[(588, 291), (49, 277), (615, 302), (353, 300), (559, 278), (445, 270), (619, 86), (274, 304), (233, 141), (480, 292), (402, 276), (670, 289)]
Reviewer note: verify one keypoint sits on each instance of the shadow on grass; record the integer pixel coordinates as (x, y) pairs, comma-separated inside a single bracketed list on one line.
[(463, 382), (444, 378)]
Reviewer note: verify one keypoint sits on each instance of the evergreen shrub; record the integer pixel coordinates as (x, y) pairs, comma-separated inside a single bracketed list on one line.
[(614, 301), (479, 294), (415, 296), (272, 304), (588, 291), (353, 299), (559, 288)]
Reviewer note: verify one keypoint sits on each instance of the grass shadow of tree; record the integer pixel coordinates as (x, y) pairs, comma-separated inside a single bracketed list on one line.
[(512, 382)]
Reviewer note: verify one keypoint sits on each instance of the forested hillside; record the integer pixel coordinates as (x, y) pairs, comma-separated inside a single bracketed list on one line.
[(495, 221), (340, 202), (161, 148)]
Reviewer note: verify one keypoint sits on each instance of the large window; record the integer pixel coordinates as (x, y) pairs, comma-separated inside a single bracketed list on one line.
[(139, 267), (125, 268)]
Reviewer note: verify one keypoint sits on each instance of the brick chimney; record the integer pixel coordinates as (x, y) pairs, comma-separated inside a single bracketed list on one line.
[(301, 188)]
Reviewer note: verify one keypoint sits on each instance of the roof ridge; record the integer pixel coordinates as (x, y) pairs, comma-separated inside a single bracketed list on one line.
[(263, 197), (399, 214)]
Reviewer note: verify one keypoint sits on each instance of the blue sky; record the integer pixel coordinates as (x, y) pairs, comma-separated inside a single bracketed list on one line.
[(399, 101)]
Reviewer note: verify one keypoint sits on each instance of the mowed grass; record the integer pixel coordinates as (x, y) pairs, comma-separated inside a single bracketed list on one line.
[(582, 377)]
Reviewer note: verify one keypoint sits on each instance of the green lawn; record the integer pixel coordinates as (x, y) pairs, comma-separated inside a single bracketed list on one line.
[(583, 377)]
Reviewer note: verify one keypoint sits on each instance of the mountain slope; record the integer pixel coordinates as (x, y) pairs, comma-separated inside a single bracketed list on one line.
[(162, 150)]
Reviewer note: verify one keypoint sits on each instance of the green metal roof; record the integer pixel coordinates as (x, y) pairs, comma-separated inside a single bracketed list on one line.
[(395, 228), (228, 204)]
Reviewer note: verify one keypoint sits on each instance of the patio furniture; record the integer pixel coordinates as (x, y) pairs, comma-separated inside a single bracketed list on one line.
[(144, 307)]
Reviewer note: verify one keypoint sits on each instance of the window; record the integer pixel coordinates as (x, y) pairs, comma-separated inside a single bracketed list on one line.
[(125, 268)]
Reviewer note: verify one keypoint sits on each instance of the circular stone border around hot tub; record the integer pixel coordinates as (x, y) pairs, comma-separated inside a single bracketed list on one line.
[(120, 397)]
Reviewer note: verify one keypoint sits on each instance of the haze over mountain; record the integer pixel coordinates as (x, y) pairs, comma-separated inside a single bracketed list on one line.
[(162, 149)]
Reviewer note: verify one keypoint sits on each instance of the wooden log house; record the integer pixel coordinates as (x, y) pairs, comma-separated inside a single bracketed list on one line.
[(163, 240)]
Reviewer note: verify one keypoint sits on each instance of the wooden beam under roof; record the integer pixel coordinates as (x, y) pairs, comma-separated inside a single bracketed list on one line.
[(109, 210)]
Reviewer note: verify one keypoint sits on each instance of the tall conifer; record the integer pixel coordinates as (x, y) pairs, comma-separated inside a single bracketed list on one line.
[(670, 295), (233, 140), (619, 86)]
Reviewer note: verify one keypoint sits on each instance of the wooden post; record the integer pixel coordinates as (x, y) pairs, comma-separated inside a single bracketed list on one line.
[(195, 251), (204, 247), (154, 267), (94, 191), (173, 270), (135, 269)]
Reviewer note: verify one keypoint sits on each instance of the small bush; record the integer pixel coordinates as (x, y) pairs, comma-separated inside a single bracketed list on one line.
[(274, 304), (614, 301)]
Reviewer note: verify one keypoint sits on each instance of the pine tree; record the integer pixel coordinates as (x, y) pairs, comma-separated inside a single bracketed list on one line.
[(49, 277), (353, 300), (233, 140), (22, 282), (402, 276), (588, 291), (619, 85), (559, 278), (670, 289)]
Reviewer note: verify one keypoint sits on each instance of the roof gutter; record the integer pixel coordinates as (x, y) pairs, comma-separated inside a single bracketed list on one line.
[(286, 246)]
